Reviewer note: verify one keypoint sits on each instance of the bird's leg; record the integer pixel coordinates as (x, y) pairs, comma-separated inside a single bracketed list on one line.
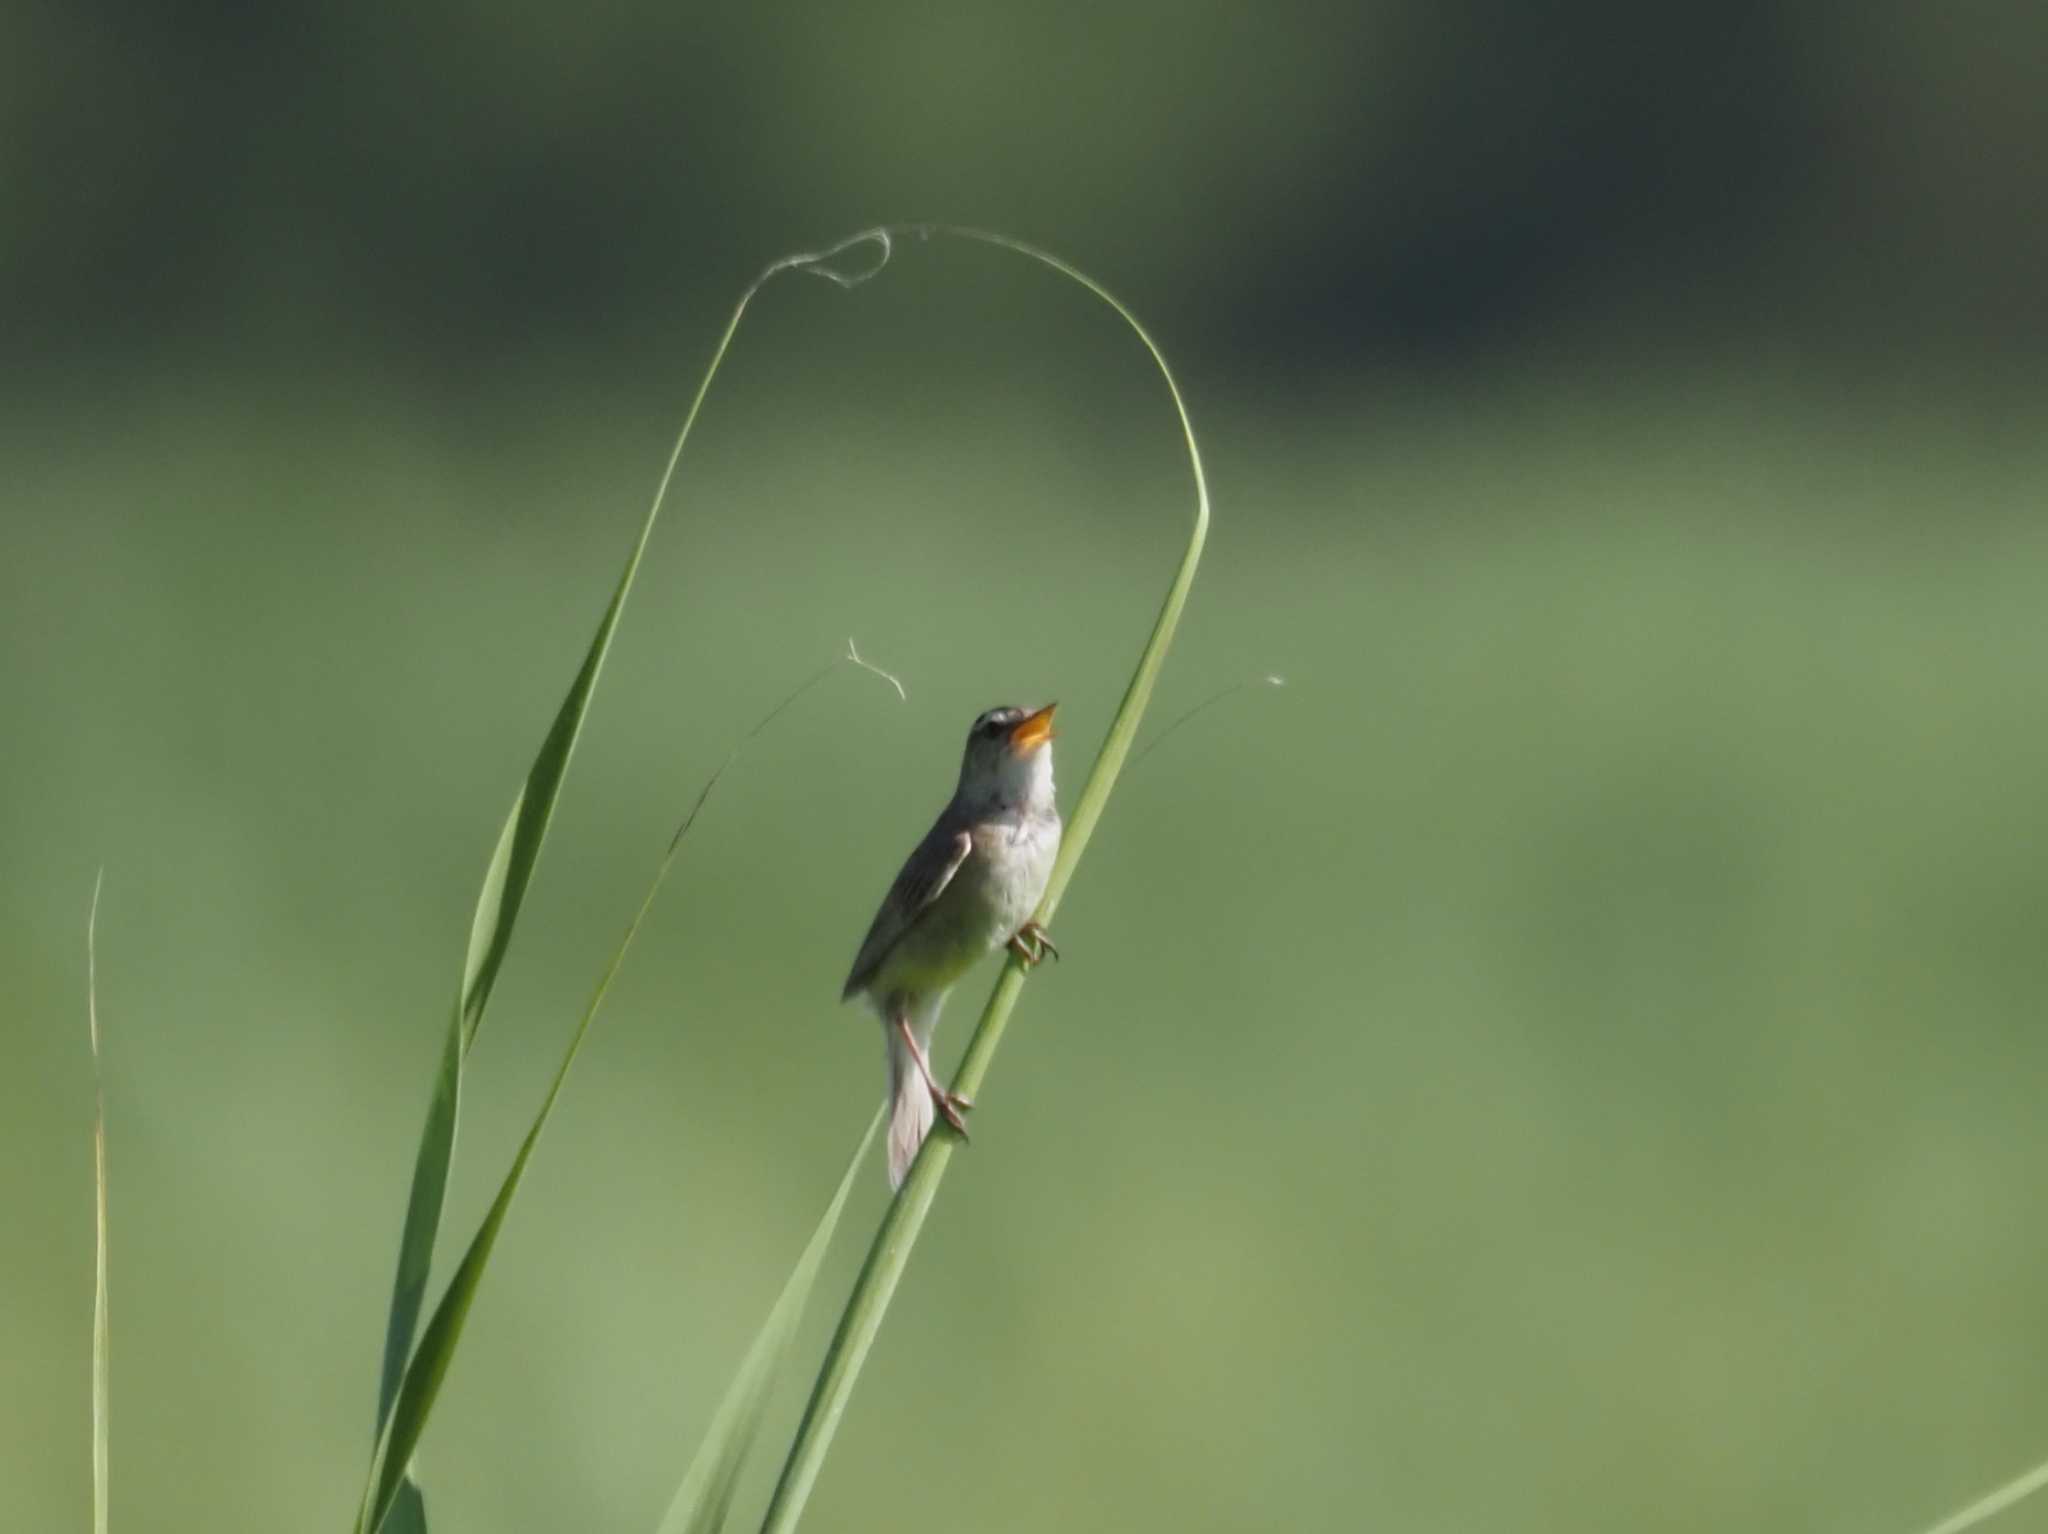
[(1031, 944), (952, 1106)]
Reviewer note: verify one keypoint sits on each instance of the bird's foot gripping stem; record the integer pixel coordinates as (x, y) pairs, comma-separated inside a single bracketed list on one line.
[(952, 1108), (1031, 944)]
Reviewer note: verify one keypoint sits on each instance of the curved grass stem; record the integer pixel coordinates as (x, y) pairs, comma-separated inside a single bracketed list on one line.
[(897, 1236)]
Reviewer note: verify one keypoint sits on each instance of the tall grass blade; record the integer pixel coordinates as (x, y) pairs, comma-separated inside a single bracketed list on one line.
[(392, 1501), (2016, 1490), (896, 1238), (506, 881), (101, 1340), (704, 1500), (408, 1513)]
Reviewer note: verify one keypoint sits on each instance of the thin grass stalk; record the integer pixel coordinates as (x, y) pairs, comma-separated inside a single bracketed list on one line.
[(1992, 1504), (1201, 708), (703, 1502), (102, 1342), (901, 1224)]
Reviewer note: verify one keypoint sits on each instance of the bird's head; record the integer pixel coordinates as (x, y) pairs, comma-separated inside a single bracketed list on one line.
[(1009, 757)]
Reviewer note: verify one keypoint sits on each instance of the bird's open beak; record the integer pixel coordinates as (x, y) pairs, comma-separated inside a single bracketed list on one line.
[(1033, 730)]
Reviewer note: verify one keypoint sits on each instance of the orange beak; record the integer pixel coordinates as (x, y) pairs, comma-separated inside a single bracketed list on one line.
[(1032, 731)]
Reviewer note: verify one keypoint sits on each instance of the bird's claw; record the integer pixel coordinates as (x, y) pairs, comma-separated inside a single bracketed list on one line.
[(953, 1108), (1031, 944)]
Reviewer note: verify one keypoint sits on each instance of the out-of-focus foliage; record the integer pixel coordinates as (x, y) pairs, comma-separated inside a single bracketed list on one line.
[(1571, 1059), (1302, 182)]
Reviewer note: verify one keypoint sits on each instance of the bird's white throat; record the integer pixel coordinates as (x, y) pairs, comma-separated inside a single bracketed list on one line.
[(1012, 781)]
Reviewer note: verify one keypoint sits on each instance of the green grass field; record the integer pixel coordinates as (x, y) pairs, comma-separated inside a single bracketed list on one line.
[(1572, 1059)]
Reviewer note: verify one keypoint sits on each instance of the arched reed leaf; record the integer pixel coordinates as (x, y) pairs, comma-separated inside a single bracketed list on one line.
[(897, 1236)]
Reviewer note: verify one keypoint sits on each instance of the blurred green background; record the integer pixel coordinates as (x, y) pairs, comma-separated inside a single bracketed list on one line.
[(1573, 1059)]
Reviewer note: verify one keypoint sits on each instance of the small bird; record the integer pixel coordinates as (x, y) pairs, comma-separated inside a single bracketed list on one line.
[(968, 889)]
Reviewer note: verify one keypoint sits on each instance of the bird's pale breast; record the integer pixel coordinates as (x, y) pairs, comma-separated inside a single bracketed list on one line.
[(993, 894)]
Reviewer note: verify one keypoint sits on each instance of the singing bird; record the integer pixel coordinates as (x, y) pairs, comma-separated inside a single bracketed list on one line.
[(967, 890)]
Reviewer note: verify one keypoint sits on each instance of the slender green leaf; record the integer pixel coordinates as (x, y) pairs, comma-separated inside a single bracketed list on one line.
[(101, 1341), (506, 881), (893, 1242), (704, 1500), (392, 1502), (408, 1514)]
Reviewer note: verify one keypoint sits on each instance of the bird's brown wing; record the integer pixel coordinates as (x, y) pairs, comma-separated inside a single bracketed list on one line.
[(925, 876)]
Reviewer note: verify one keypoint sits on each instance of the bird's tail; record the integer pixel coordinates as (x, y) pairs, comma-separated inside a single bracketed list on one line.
[(910, 1100)]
